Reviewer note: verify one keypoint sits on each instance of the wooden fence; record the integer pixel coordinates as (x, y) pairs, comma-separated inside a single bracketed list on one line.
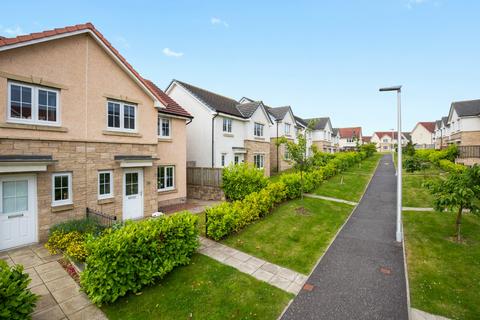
[(210, 177), (469, 152)]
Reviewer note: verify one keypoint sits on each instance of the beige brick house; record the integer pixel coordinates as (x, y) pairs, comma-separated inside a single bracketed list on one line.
[(79, 127)]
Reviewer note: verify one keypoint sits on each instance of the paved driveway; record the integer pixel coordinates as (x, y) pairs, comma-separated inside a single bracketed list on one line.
[(362, 275)]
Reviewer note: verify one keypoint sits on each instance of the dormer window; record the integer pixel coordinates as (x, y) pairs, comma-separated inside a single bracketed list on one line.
[(31, 104)]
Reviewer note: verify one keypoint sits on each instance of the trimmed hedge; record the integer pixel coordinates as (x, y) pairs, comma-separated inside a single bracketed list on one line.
[(239, 180), (138, 254), (16, 300), (449, 166), (230, 217)]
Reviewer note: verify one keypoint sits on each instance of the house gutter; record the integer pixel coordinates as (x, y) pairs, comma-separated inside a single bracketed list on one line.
[(213, 139)]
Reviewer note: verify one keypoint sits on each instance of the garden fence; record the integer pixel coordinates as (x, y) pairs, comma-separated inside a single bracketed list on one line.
[(100, 217), (469, 152), (210, 177)]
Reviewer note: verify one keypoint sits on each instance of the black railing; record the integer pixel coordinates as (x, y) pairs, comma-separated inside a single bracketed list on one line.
[(101, 218), (469, 152)]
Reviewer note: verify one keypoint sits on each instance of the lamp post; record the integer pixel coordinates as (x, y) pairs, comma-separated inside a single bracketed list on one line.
[(398, 89), (392, 147)]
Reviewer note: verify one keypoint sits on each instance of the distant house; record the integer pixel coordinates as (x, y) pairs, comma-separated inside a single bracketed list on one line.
[(423, 135), (349, 138), (335, 140), (322, 132), (226, 130), (366, 139), (386, 141), (441, 135)]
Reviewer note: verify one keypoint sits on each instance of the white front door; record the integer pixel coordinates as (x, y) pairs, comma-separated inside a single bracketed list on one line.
[(18, 210), (133, 194)]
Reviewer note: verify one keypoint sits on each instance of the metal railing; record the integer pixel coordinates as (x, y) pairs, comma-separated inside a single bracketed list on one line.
[(101, 218), (198, 176), (469, 152)]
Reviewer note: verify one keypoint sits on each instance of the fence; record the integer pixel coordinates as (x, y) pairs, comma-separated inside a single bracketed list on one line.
[(469, 152), (102, 218), (209, 177)]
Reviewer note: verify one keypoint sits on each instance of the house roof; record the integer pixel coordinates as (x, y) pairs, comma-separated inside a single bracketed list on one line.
[(445, 121), (319, 123), (279, 112), (380, 134), (335, 131), (467, 108), (354, 132), (430, 126), (366, 138), (248, 108), (301, 121), (172, 107), (32, 38)]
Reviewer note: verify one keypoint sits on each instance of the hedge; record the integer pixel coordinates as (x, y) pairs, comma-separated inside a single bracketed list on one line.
[(230, 217), (450, 166), (137, 254), (240, 180)]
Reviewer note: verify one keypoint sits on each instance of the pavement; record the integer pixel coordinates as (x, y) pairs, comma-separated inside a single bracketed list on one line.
[(362, 274)]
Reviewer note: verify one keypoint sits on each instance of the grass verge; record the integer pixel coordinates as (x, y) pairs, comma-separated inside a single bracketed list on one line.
[(414, 193), (444, 276), (205, 289)]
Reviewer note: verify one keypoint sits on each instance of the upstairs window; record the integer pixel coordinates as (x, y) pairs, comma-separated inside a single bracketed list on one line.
[(32, 104), (258, 130), (227, 125), (164, 129), (121, 116), (287, 129)]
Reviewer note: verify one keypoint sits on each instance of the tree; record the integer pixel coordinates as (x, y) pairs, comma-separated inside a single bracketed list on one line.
[(409, 149), (459, 191)]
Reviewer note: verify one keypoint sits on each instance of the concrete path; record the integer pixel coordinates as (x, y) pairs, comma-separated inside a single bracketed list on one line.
[(60, 296), (316, 196), (422, 315), (361, 276), (277, 276)]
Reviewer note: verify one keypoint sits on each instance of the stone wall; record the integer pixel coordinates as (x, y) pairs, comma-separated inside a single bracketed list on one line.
[(258, 147), (470, 138), (283, 165), (205, 193), (84, 160)]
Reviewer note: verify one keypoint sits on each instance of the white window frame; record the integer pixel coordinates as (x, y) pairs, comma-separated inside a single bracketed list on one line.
[(70, 189), (159, 129), (261, 126), (227, 124), (223, 159), (287, 129), (122, 114), (165, 178), (107, 195), (34, 119), (262, 156)]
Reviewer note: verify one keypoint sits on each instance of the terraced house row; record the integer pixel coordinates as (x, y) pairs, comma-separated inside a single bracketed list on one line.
[(81, 128)]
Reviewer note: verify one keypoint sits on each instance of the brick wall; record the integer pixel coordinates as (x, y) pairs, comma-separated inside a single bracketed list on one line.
[(205, 193), (258, 147), (283, 165)]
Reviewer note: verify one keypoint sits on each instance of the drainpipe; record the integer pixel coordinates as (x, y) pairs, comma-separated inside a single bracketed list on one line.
[(278, 165), (213, 139)]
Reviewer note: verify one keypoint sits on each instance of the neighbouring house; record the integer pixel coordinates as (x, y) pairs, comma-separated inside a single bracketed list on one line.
[(422, 135), (322, 132), (80, 128), (303, 128), (225, 130), (335, 140), (441, 135), (464, 120), (349, 138), (366, 139), (386, 141)]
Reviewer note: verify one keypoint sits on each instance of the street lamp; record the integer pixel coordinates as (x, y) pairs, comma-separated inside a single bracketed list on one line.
[(392, 147), (398, 89)]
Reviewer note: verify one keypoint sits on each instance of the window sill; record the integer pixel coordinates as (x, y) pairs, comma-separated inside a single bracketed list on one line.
[(121, 133), (24, 126), (226, 134), (162, 192), (62, 207), (161, 139), (106, 200), (259, 138)]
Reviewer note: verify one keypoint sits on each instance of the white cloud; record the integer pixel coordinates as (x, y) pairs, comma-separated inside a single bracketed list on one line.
[(218, 21), (170, 53), (11, 31)]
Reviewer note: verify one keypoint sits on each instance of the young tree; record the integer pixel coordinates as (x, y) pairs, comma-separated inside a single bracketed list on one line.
[(457, 192)]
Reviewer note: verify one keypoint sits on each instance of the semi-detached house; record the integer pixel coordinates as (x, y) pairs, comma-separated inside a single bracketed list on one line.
[(225, 130), (79, 127)]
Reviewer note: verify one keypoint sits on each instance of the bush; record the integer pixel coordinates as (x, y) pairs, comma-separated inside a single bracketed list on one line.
[(72, 244), (85, 225), (321, 158), (369, 149), (449, 166), (16, 301), (241, 179), (136, 255), (414, 163)]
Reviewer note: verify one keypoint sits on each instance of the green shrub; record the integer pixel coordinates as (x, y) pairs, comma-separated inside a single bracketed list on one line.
[(241, 179), (369, 149), (449, 166), (424, 154), (16, 300), (140, 253), (85, 225), (321, 158), (412, 164), (72, 244)]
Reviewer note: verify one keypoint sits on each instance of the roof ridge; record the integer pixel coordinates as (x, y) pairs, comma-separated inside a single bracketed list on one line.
[(221, 95)]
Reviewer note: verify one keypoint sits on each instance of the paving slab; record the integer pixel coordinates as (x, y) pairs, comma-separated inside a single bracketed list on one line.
[(361, 275), (75, 304), (262, 275), (53, 313)]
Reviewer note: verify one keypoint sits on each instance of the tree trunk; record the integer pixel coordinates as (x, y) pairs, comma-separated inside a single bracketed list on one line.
[(458, 222), (301, 186)]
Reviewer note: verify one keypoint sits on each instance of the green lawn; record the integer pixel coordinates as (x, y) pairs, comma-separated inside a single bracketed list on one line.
[(293, 238), (414, 193), (444, 275), (350, 185), (205, 289)]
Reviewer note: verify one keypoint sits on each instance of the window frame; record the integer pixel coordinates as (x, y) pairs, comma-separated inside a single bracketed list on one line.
[(34, 105), (260, 125), (227, 124), (109, 195), (223, 159), (165, 178), (287, 132), (122, 116), (262, 156), (56, 203), (159, 127)]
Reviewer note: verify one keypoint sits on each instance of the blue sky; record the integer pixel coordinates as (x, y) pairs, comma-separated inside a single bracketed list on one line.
[(324, 58)]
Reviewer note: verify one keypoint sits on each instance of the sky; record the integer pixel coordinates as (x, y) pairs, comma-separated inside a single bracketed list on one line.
[(323, 58)]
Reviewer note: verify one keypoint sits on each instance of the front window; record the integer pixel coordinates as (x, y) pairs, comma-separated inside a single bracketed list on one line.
[(258, 130), (32, 104), (223, 160), (164, 129), (166, 178), (287, 129), (286, 155), (105, 184), (121, 116), (227, 125), (61, 188), (385, 140), (258, 161)]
